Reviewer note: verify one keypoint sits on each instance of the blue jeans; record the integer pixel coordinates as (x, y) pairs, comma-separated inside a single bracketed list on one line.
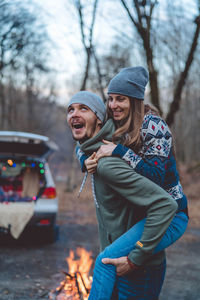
[(104, 276), (143, 284)]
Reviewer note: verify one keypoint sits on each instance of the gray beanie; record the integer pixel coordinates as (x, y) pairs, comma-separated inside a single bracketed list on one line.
[(91, 100), (130, 82)]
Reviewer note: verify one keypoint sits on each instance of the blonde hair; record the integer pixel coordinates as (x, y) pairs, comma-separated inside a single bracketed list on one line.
[(128, 130)]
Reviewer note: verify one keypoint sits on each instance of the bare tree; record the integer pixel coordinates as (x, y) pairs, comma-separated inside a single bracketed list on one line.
[(21, 42), (174, 107), (99, 76), (87, 39), (109, 64), (143, 24), (141, 16)]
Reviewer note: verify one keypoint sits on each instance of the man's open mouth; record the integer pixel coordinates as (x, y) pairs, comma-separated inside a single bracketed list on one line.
[(78, 126)]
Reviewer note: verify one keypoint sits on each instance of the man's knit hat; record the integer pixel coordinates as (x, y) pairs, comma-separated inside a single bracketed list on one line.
[(130, 82), (91, 100)]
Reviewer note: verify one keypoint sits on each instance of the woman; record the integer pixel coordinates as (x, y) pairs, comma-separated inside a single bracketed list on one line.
[(146, 145)]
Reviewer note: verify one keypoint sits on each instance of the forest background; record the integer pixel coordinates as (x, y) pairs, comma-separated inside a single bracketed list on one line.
[(47, 55), (51, 49)]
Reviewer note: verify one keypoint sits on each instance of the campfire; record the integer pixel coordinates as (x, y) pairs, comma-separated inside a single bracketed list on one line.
[(77, 282)]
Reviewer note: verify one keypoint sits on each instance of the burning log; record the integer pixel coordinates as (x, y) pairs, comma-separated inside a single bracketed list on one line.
[(77, 283), (86, 289)]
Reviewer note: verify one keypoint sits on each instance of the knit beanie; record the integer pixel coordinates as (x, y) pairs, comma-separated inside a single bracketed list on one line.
[(91, 100), (130, 82)]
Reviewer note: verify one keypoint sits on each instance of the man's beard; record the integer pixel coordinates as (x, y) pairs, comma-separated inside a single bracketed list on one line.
[(81, 141), (86, 137)]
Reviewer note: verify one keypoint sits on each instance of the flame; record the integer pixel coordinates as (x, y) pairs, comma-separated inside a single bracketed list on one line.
[(77, 283)]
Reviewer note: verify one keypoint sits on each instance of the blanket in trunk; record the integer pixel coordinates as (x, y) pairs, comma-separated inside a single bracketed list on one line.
[(15, 216)]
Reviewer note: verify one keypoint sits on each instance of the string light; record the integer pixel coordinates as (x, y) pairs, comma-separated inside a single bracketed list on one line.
[(32, 164), (10, 162)]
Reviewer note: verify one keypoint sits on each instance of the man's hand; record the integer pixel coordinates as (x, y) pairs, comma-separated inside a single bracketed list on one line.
[(105, 150), (122, 265), (91, 163)]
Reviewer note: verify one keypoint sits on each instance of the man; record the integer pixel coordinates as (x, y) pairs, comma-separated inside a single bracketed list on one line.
[(122, 198)]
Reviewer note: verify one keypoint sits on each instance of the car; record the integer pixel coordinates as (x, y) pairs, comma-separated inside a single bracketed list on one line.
[(27, 190)]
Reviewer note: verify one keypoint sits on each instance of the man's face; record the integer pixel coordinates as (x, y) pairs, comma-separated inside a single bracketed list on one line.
[(82, 121)]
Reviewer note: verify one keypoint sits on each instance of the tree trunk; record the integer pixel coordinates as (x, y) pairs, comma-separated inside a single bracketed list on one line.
[(174, 107), (99, 77), (143, 26), (86, 73)]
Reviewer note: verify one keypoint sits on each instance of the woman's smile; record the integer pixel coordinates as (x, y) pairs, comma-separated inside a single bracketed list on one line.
[(119, 106)]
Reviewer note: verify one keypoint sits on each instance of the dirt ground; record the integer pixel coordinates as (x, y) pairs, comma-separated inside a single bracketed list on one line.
[(30, 268)]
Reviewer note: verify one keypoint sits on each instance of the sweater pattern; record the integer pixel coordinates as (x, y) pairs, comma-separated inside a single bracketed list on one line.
[(156, 159)]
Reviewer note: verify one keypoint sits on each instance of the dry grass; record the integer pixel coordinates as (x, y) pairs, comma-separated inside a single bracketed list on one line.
[(79, 210), (191, 186)]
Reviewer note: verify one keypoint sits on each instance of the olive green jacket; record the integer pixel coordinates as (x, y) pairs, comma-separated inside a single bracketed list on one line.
[(125, 197)]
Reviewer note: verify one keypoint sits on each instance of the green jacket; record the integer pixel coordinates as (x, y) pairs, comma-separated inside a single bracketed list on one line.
[(125, 197)]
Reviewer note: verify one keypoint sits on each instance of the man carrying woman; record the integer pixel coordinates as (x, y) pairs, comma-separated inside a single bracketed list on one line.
[(133, 213)]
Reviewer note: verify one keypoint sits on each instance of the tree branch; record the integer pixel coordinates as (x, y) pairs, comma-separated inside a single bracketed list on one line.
[(174, 107), (145, 34), (82, 25), (99, 76), (93, 21), (89, 47), (129, 14)]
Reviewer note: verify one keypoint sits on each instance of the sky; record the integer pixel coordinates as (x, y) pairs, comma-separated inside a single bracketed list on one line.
[(67, 52), (63, 58), (63, 28)]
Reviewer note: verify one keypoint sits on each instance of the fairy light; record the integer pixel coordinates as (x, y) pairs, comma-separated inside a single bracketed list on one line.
[(41, 165), (42, 171), (10, 162)]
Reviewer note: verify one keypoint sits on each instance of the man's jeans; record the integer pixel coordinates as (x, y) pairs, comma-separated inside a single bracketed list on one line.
[(144, 284)]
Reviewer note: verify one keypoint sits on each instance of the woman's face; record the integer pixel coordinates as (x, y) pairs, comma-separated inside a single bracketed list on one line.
[(119, 106)]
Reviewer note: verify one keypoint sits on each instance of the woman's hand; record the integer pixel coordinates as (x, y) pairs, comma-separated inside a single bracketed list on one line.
[(91, 163), (105, 150), (122, 265)]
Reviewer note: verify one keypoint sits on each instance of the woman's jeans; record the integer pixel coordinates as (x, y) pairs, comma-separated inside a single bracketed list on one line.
[(143, 284)]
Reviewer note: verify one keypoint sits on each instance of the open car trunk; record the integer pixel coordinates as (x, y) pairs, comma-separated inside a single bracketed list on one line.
[(21, 165), (25, 144), (21, 180), (27, 192)]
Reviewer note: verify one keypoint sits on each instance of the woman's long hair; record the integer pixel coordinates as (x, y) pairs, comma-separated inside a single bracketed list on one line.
[(128, 130)]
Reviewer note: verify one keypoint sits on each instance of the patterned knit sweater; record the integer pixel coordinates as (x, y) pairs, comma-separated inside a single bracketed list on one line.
[(155, 161)]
